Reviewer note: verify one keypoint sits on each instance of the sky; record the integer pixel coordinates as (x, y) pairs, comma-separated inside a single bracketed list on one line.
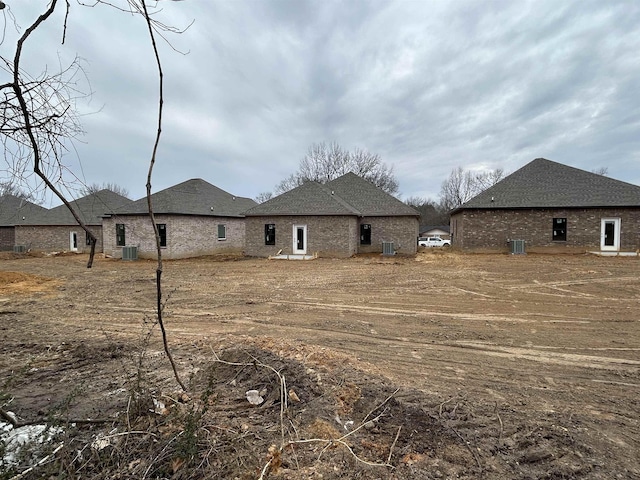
[(428, 85)]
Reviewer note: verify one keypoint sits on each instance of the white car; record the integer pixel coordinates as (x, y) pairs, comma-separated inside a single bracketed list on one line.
[(433, 242)]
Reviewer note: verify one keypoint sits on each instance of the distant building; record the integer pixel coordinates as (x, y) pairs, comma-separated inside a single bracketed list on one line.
[(57, 230), (346, 216), (14, 211), (553, 208), (194, 218)]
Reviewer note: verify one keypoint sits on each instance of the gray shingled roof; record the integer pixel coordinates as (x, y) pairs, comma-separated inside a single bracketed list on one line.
[(347, 195), (193, 197), (372, 201), (546, 184), (90, 208), (13, 209)]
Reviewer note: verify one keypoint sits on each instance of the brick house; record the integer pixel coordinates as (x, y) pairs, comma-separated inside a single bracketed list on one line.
[(553, 208), (346, 216), (57, 230), (14, 211), (194, 218)]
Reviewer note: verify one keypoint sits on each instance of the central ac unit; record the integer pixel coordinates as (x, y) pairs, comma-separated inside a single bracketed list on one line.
[(387, 248), (517, 247), (130, 253)]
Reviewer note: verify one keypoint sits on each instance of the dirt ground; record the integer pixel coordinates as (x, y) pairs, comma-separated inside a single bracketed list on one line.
[(442, 365)]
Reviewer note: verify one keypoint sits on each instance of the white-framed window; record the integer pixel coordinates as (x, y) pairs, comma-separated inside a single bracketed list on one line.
[(222, 232)]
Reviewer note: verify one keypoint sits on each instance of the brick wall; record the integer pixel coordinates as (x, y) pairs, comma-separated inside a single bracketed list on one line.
[(187, 236), (402, 231), (331, 236), (490, 229), (56, 238), (7, 238)]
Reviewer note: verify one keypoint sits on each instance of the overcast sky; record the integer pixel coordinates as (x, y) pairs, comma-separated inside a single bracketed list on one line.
[(428, 85)]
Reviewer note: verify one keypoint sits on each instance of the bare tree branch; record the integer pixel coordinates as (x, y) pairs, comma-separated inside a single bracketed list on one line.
[(324, 163), (40, 132), (149, 202)]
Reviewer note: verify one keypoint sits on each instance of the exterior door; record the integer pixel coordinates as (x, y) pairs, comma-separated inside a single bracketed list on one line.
[(610, 234), (300, 239), (73, 241)]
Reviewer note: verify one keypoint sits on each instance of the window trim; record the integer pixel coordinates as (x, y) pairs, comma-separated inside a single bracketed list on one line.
[(267, 228), (121, 227), (162, 236), (224, 226), (557, 237), (363, 227)]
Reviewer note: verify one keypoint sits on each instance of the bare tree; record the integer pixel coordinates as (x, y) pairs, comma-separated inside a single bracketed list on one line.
[(96, 187), (263, 197), (325, 162), (431, 212), (604, 171), (39, 119), (462, 185), (10, 188)]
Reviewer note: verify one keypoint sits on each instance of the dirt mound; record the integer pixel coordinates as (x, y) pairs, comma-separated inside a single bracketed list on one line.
[(318, 417), (18, 282)]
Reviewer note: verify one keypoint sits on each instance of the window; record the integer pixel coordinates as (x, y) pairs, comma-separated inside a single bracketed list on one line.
[(222, 232), (120, 240), (270, 234), (162, 232), (365, 234), (559, 230)]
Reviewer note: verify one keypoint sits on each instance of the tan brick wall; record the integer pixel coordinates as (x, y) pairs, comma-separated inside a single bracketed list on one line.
[(331, 236), (490, 229), (187, 236), (56, 238)]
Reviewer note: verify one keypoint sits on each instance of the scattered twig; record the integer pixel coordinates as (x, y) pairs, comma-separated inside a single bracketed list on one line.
[(442, 405), (501, 425), (13, 420), (382, 404), (393, 445), (283, 406), (43, 460), (466, 444)]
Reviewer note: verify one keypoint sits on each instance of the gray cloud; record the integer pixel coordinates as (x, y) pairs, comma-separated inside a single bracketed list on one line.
[(427, 85)]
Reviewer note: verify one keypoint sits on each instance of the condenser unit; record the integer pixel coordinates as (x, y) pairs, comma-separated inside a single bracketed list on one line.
[(19, 249), (387, 248), (130, 253), (517, 247)]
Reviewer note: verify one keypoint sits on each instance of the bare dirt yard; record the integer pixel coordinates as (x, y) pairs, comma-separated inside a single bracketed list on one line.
[(442, 365)]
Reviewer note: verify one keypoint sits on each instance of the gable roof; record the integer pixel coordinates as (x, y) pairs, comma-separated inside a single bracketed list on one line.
[(14, 209), (89, 208), (192, 197), (546, 184), (346, 195)]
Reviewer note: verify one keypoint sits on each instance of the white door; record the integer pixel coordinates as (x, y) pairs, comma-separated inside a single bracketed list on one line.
[(610, 234), (73, 241), (300, 239)]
